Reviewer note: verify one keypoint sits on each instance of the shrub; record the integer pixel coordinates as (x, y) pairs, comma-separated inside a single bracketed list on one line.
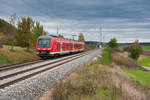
[(129, 48), (106, 55), (135, 53), (125, 61), (113, 43)]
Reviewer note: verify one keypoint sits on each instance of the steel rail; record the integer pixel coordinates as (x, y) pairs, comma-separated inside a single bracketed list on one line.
[(38, 72), (13, 66), (37, 67)]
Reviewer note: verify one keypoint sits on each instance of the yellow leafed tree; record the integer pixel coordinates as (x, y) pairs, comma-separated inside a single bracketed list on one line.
[(1, 33), (81, 37)]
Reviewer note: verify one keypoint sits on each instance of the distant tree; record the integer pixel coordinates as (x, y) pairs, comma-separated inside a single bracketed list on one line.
[(25, 32), (12, 22), (61, 36), (81, 37), (7, 30), (1, 23), (113, 43), (1, 35), (130, 47)]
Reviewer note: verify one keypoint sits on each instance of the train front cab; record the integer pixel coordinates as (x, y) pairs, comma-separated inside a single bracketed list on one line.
[(43, 46)]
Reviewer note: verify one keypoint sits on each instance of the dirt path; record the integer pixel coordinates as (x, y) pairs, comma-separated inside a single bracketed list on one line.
[(142, 57)]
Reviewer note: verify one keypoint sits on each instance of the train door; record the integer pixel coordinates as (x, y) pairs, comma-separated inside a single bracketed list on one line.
[(61, 46), (73, 46)]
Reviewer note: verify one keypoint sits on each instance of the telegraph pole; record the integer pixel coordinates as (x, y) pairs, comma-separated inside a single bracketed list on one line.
[(57, 29), (73, 36), (101, 36)]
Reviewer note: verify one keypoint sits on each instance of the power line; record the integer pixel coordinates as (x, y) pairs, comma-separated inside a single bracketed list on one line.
[(115, 31)]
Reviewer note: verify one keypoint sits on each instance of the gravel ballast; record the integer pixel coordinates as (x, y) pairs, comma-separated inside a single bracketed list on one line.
[(33, 88)]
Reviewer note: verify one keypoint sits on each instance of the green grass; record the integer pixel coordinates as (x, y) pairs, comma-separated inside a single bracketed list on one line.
[(16, 48), (120, 46), (145, 62), (106, 56), (142, 76), (146, 47), (4, 61)]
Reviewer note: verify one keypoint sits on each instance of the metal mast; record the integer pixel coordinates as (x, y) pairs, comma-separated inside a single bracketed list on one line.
[(101, 35), (57, 29)]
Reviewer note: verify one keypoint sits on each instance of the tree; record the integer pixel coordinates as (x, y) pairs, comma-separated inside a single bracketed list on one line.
[(81, 37), (37, 31), (113, 43), (12, 22), (24, 32), (7, 31), (1, 36), (135, 53), (61, 36)]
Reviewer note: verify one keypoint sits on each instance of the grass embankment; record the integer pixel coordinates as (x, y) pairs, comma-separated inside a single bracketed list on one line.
[(145, 62), (88, 84), (146, 47), (17, 56), (132, 69), (138, 75)]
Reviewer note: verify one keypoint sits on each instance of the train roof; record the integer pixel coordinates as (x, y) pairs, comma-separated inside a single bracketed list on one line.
[(45, 36), (50, 36)]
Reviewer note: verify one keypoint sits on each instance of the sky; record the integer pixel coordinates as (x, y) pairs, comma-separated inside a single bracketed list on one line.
[(126, 20)]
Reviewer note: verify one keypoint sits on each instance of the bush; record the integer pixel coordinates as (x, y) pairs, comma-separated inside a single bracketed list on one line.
[(129, 48), (135, 53), (125, 61), (113, 43), (106, 56)]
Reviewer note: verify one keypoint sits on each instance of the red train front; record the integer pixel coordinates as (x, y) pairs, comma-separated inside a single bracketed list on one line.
[(47, 46)]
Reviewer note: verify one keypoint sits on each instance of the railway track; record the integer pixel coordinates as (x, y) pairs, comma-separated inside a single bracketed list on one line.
[(9, 67), (13, 74), (12, 66)]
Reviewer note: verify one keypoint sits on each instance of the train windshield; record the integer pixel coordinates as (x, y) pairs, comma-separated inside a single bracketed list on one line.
[(44, 43)]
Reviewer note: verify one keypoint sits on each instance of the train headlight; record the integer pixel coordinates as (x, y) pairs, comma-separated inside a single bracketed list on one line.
[(37, 53)]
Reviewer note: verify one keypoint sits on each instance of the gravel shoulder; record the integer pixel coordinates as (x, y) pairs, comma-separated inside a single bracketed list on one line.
[(33, 88)]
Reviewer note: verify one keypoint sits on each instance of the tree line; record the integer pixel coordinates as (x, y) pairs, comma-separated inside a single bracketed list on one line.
[(24, 33), (27, 32)]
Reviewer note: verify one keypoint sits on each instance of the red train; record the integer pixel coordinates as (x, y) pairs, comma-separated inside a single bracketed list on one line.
[(47, 46)]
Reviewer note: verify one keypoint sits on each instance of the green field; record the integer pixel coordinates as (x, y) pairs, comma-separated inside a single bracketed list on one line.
[(16, 48), (145, 62), (146, 47), (4, 61), (138, 75)]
